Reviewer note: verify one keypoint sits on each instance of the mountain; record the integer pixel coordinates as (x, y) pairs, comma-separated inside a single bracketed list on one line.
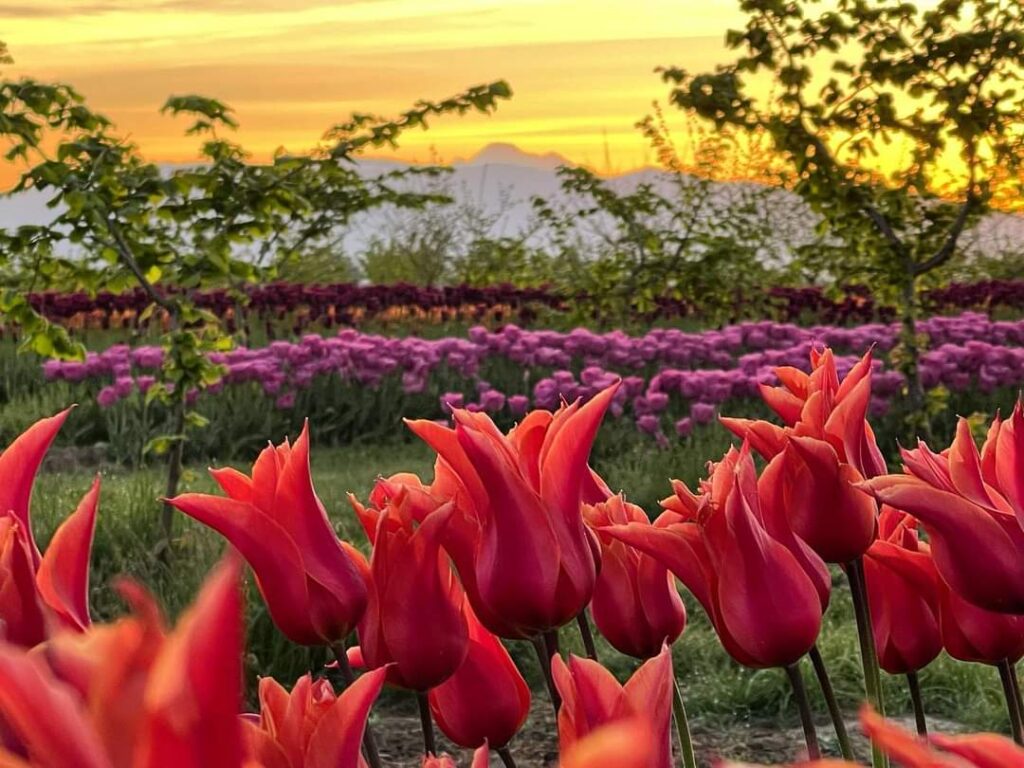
[(502, 153)]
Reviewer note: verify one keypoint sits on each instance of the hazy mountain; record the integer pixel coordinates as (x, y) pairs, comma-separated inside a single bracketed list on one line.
[(497, 184)]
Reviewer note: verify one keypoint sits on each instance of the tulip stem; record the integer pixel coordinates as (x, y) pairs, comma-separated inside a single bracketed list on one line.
[(1006, 677), (370, 750), (426, 723), (915, 698), (506, 757), (587, 635), (1016, 689), (541, 646), (868, 654), (682, 726), (796, 679), (825, 683)]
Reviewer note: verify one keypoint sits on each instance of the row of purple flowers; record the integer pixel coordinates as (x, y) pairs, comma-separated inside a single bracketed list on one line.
[(512, 369), (350, 303)]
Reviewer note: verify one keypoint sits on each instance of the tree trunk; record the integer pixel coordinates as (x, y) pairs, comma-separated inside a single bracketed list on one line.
[(918, 423), (175, 461)]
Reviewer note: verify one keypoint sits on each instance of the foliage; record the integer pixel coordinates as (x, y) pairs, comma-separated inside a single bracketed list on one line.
[(122, 221), (915, 132)]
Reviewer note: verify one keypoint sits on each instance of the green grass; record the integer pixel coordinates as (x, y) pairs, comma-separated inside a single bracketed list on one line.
[(718, 690)]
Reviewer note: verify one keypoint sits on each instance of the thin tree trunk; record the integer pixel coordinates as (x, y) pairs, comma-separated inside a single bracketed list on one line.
[(175, 462)]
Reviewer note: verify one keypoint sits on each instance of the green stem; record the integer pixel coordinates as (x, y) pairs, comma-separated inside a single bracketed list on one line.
[(796, 680), (682, 726), (544, 660), (825, 683), (1006, 677), (426, 723), (506, 757), (868, 655), (915, 698), (588, 637), (1016, 689)]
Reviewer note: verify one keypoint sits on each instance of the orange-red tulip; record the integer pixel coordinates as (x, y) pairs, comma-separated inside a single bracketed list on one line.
[(481, 759), (821, 406), (965, 502), (414, 619), (126, 695), (309, 579), (622, 744), (523, 553), (592, 698), (636, 605), (903, 594), (310, 725), (41, 593), (487, 699), (762, 588)]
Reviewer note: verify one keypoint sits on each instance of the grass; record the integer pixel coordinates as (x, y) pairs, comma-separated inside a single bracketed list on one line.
[(718, 690)]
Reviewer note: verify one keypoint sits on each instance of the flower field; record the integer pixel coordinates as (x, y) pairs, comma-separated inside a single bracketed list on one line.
[(805, 505), (811, 554), (673, 381)]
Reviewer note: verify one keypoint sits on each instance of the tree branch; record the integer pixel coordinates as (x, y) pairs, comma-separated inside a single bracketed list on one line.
[(944, 253)]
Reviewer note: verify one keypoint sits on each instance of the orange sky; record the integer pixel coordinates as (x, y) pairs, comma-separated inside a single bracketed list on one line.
[(581, 69)]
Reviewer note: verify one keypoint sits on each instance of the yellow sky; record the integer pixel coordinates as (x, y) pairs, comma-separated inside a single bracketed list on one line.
[(582, 70)]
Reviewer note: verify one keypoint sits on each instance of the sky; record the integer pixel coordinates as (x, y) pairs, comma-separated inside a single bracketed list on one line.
[(582, 71)]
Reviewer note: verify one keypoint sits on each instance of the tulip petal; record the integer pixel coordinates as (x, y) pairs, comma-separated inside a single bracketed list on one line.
[(63, 576), (301, 513), (23, 621), (625, 744), (1010, 460), (194, 691), (270, 552), (45, 715), (976, 553), (982, 750), (19, 465)]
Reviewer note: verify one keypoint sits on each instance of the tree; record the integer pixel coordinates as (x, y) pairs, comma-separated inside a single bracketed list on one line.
[(692, 232), (225, 220), (863, 81)]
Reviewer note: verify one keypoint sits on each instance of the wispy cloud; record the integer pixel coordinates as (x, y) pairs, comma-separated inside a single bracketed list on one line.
[(61, 9)]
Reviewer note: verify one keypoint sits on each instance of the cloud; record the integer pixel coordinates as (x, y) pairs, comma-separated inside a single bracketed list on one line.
[(48, 10)]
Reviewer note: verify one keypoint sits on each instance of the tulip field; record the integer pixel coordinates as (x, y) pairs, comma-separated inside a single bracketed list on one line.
[(507, 544)]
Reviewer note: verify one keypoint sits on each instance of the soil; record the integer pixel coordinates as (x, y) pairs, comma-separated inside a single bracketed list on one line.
[(764, 743)]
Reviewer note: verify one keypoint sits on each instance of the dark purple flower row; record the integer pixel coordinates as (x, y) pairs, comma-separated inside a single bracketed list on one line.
[(346, 304)]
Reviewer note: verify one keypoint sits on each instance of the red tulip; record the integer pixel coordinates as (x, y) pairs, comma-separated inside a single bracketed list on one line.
[(481, 759), (636, 605), (523, 553), (818, 405), (829, 448), (592, 697), (903, 595), (126, 695), (19, 465), (487, 699), (976, 537), (41, 593), (414, 619), (762, 588), (311, 726), (970, 633), (309, 579), (35, 602), (621, 744)]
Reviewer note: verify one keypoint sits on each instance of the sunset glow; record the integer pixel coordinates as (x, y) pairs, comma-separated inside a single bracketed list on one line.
[(582, 70)]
